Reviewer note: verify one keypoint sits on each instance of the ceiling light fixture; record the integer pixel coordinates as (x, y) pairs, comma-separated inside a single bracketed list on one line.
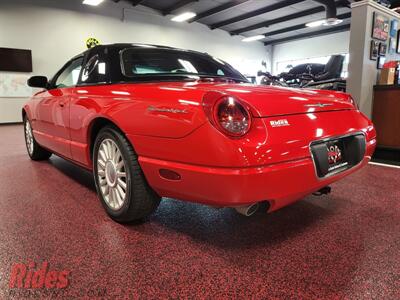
[(183, 17), (332, 21), (326, 22), (92, 2), (253, 38), (316, 23)]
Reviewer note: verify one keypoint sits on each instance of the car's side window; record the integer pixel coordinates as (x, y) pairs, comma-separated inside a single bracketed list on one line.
[(69, 77)]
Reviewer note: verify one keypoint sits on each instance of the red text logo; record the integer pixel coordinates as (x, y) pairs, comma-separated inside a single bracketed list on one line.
[(36, 277)]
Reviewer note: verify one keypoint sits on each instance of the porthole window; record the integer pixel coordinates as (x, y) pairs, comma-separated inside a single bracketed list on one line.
[(90, 67)]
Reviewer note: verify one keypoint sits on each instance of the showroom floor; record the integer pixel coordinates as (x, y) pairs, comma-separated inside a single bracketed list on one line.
[(343, 245)]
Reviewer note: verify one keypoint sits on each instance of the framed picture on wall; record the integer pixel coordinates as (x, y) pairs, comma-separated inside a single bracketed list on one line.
[(382, 49), (380, 28), (381, 62), (392, 45), (393, 28), (374, 51), (398, 42)]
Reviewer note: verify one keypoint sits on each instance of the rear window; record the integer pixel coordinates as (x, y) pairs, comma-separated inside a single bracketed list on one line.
[(158, 62)]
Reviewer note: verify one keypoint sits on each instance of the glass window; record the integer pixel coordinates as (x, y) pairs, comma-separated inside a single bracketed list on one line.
[(285, 66), (90, 67), (69, 77), (94, 71), (166, 62)]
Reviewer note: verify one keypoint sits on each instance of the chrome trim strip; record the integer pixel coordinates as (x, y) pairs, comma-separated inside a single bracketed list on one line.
[(318, 105)]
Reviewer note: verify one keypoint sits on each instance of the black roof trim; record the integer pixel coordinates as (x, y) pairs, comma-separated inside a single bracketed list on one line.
[(143, 46)]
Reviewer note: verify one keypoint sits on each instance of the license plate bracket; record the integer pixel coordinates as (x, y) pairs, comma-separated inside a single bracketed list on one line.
[(336, 155)]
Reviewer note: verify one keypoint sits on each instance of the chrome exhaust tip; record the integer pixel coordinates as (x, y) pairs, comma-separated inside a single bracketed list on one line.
[(324, 191), (247, 210)]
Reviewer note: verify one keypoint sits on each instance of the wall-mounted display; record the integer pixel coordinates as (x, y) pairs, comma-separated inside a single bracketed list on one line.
[(381, 62), (380, 28), (374, 51), (382, 49), (393, 28), (15, 60)]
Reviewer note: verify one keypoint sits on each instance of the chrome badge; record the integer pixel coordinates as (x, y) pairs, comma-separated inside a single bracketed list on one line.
[(166, 109), (279, 123), (318, 105)]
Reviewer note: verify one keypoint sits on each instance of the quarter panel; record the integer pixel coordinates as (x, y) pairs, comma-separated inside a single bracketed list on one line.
[(141, 109), (154, 109)]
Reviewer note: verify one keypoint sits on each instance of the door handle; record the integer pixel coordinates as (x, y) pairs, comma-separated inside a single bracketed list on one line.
[(62, 104)]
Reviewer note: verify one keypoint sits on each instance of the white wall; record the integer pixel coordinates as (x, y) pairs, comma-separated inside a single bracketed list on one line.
[(336, 43), (55, 31)]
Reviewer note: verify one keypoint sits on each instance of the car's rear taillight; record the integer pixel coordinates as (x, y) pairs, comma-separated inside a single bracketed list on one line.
[(231, 117)]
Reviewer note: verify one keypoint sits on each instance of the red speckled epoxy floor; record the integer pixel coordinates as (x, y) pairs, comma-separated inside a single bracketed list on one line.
[(346, 245)]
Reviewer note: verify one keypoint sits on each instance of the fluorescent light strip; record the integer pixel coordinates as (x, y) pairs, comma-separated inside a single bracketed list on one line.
[(253, 38), (183, 17), (92, 2)]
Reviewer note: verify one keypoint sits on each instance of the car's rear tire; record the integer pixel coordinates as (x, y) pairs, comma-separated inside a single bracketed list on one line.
[(120, 182), (35, 151)]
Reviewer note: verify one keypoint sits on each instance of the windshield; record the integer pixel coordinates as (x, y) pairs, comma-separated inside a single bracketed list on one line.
[(174, 63)]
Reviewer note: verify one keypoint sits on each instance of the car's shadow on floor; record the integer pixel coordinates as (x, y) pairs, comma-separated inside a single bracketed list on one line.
[(76, 173), (224, 227), (227, 229)]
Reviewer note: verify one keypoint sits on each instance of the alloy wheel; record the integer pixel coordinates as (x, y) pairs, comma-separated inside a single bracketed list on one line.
[(29, 137), (111, 174)]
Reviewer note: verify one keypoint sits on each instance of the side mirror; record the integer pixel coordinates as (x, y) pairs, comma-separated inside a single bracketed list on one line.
[(38, 82)]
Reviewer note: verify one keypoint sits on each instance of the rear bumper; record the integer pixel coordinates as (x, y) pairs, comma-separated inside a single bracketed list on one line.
[(280, 183)]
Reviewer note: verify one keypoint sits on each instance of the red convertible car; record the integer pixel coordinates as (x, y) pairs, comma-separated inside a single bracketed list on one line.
[(153, 121)]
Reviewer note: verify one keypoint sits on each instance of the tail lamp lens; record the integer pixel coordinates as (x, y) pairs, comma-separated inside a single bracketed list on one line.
[(232, 117)]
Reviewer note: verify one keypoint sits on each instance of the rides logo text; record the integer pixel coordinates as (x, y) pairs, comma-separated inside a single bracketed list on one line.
[(30, 276)]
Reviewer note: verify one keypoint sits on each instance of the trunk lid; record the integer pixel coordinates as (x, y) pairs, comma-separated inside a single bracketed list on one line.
[(276, 101)]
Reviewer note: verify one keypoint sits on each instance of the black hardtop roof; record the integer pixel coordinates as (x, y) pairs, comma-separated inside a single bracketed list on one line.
[(120, 46)]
